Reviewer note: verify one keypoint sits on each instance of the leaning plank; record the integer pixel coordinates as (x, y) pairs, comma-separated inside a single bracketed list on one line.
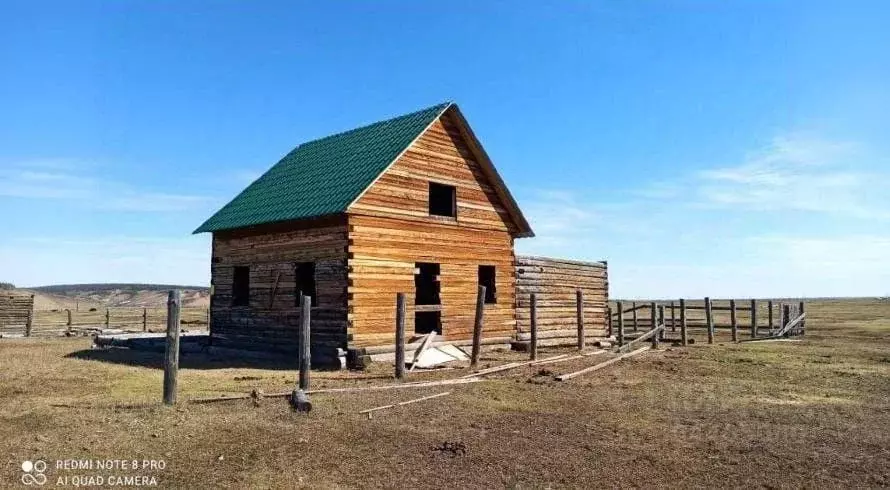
[(791, 324), (597, 367), (407, 402), (642, 338)]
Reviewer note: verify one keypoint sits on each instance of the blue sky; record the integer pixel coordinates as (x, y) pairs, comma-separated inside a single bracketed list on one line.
[(729, 148)]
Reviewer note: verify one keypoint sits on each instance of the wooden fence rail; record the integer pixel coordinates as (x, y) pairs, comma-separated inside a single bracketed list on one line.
[(125, 318)]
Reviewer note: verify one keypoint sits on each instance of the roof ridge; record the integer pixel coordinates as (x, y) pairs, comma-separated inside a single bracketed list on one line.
[(440, 108)]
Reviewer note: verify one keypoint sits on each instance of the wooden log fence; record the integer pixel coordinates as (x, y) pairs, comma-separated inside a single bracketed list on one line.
[(707, 317), (58, 321)]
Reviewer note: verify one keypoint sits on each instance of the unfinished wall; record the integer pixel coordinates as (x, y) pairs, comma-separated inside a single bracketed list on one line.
[(270, 321), (15, 312), (555, 281), (391, 230)]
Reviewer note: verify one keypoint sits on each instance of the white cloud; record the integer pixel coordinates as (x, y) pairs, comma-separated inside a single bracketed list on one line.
[(62, 179), (795, 173)]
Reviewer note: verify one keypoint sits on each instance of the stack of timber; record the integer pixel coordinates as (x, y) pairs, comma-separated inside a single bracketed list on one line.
[(16, 313), (555, 283)]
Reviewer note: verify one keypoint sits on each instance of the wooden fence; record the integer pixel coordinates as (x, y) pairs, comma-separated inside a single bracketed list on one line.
[(16, 313), (713, 319), (47, 322)]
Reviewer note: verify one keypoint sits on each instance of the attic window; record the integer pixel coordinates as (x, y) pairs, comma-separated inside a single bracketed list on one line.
[(443, 200), (304, 273), (486, 278), (241, 285)]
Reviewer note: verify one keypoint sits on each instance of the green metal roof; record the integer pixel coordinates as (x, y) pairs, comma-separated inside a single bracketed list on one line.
[(324, 176)]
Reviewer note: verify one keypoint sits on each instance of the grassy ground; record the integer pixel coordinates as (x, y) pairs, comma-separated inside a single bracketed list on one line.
[(785, 414)]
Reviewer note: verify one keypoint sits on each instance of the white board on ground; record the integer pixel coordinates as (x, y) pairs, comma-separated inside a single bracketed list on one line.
[(435, 356)]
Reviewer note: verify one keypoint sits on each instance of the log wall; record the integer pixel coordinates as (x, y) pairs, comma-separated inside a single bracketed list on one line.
[(271, 321), (555, 282), (15, 310), (390, 230)]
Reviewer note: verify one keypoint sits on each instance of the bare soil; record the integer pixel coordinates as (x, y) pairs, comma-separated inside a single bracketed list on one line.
[(813, 413)]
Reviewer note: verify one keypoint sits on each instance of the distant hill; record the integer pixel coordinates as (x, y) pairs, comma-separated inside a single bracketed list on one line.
[(85, 296)]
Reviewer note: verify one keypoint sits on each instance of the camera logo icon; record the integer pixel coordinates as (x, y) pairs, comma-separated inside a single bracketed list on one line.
[(34, 472)]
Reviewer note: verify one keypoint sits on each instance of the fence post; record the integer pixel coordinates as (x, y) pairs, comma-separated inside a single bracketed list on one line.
[(68, 323), (144, 319), (107, 317), (608, 320), (620, 336), (400, 335), (661, 319), (673, 318), (709, 320), (634, 318), (579, 299), (477, 326), (733, 322), (171, 355), (30, 320), (786, 316), (802, 325), (769, 306), (754, 318), (653, 318), (305, 342), (533, 322), (684, 338)]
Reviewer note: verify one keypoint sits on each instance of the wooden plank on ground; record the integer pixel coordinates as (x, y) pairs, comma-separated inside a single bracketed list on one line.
[(597, 367)]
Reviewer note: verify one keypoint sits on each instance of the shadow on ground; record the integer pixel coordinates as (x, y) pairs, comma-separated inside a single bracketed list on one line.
[(187, 360)]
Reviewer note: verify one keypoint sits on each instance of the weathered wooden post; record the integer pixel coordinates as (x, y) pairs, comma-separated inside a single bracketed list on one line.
[(684, 339), (661, 319), (107, 317), (608, 321), (477, 327), (579, 307), (620, 324), (654, 319), (673, 318), (781, 310), (305, 342), (29, 325), (709, 320), (802, 325), (145, 319), (769, 314), (533, 323), (171, 354), (299, 400), (754, 318), (400, 335), (68, 322), (733, 321), (786, 316), (633, 305)]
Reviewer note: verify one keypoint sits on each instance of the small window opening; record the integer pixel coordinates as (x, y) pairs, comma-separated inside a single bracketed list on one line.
[(305, 282), (487, 279), (241, 286), (442, 200)]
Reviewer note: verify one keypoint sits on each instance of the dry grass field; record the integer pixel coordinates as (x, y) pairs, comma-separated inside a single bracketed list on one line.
[(814, 413)]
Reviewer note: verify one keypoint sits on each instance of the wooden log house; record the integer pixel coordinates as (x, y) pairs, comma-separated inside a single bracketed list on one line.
[(411, 204)]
